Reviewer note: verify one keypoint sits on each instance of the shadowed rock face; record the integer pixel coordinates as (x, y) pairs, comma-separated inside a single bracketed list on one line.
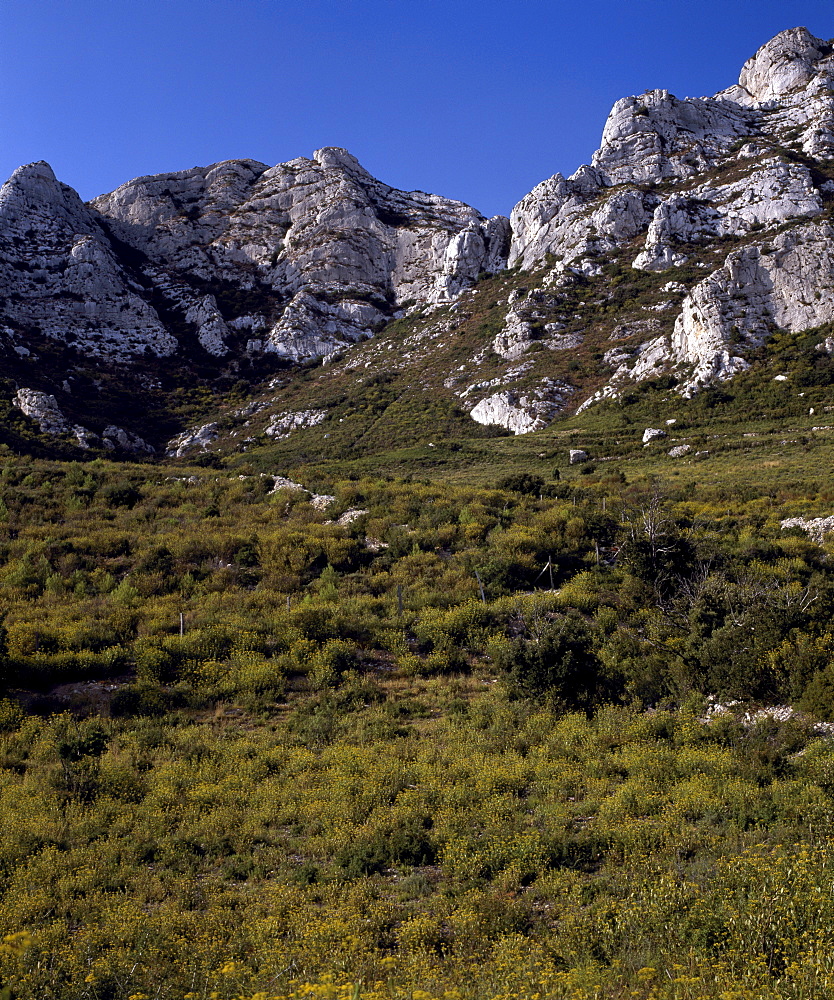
[(61, 278), (298, 259)]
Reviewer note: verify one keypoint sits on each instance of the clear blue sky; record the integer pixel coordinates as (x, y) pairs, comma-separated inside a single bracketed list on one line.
[(472, 100)]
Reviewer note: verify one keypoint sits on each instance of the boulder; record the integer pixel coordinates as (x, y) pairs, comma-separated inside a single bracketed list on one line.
[(42, 407), (653, 434)]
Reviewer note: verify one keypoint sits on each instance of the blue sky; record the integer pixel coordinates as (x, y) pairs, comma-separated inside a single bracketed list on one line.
[(472, 100)]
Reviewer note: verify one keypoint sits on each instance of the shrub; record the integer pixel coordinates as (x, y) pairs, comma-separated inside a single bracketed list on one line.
[(560, 662)]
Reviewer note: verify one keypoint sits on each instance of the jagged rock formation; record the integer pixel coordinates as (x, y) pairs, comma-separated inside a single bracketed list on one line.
[(816, 527), (297, 260), (751, 164), (308, 256), (116, 438), (525, 325), (657, 139), (61, 277), (653, 434), (43, 407), (194, 439)]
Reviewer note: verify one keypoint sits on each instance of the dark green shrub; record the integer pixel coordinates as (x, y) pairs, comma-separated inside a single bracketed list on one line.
[(138, 699), (405, 844), (522, 482), (818, 696), (121, 495), (560, 663)]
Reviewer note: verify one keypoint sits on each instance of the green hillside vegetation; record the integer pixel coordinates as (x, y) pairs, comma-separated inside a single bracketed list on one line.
[(458, 746), (453, 735)]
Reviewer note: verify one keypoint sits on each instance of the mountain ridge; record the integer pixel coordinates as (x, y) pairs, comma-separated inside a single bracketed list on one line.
[(232, 269)]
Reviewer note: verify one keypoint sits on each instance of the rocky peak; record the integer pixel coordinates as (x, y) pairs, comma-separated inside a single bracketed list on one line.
[(237, 258), (61, 279), (306, 256), (785, 63), (334, 157), (33, 191), (784, 98)]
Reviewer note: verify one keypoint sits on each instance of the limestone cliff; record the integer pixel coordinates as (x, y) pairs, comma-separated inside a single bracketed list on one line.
[(298, 260), (722, 206), (302, 258), (680, 179)]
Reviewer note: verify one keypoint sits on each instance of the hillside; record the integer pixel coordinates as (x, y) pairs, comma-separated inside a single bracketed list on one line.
[(398, 604)]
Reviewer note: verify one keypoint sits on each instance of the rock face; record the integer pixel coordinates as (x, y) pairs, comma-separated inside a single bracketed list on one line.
[(788, 283), (43, 407), (653, 434), (749, 165), (297, 260), (301, 258), (117, 439), (786, 63), (61, 276), (816, 527), (524, 326), (657, 139)]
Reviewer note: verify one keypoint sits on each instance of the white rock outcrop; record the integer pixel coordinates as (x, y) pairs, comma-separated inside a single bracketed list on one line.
[(684, 175), (523, 411), (787, 62), (281, 425), (653, 434), (815, 527), (306, 257), (62, 278), (787, 283), (42, 407), (194, 438)]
